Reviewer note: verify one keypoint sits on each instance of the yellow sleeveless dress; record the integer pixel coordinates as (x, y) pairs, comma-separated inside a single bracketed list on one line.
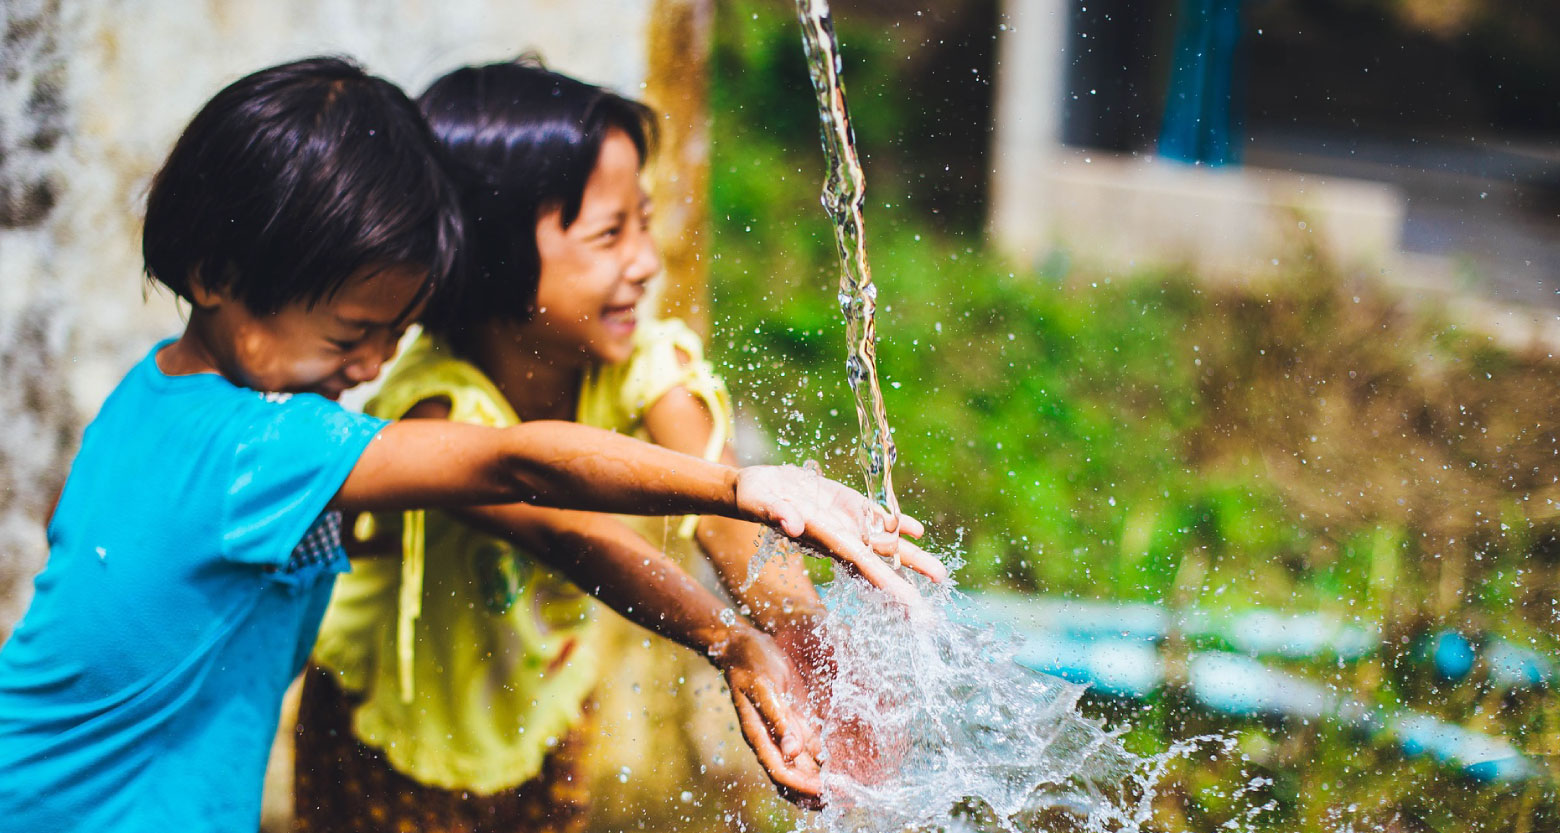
[(471, 659)]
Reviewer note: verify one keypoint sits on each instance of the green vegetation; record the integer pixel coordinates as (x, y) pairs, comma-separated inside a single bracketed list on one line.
[(1311, 444)]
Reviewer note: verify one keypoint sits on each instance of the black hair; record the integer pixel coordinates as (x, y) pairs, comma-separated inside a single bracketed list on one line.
[(518, 140), (295, 178)]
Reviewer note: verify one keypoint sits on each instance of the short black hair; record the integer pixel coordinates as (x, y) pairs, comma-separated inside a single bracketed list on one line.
[(518, 140), (295, 178)]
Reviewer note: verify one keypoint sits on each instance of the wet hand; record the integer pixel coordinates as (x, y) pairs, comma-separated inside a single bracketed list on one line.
[(800, 637), (771, 704), (858, 750), (840, 522)]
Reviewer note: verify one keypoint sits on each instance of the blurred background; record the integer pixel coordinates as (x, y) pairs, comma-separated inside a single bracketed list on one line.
[(1224, 332), (1220, 330)]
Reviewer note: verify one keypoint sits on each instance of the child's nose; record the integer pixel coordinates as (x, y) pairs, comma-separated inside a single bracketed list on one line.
[(371, 358), (364, 369), (646, 263)]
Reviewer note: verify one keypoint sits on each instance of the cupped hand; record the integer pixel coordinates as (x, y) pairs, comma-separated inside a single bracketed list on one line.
[(800, 637), (840, 522), (771, 704), (857, 749)]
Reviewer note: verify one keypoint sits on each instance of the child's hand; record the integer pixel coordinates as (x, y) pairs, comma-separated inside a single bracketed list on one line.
[(800, 636), (841, 522), (771, 705), (864, 752)]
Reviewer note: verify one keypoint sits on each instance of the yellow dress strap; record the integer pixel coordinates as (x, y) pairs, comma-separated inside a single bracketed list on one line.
[(667, 354), (429, 371), (409, 602)]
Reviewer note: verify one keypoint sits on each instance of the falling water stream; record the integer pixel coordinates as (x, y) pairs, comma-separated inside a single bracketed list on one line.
[(844, 194), (929, 724)]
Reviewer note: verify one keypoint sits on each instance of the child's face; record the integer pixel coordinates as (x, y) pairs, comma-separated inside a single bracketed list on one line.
[(336, 344), (593, 273)]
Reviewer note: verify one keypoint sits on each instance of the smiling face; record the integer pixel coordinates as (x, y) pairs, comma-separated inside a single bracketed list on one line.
[(327, 348), (593, 273)]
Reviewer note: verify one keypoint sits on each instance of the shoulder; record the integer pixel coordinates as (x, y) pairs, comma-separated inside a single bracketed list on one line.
[(430, 370), (277, 424), (151, 403), (667, 355)]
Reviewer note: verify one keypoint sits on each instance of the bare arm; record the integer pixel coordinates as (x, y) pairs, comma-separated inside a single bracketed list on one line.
[(437, 464), (617, 566), (434, 463), (613, 563)]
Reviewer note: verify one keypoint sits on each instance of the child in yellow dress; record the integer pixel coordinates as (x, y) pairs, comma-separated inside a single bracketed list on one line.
[(455, 681)]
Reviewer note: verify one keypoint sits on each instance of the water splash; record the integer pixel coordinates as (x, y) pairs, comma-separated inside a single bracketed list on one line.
[(771, 545), (929, 725), (844, 194)]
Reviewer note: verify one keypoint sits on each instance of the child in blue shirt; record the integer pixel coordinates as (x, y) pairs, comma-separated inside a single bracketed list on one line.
[(195, 544)]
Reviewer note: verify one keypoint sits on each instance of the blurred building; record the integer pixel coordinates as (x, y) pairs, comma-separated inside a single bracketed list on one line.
[(1409, 139)]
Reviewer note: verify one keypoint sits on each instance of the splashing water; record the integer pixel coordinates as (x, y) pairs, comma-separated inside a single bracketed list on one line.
[(927, 718), (844, 194), (928, 723), (948, 721)]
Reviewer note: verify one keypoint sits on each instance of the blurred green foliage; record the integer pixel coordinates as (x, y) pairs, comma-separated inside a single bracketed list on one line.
[(1308, 445), (1038, 418)]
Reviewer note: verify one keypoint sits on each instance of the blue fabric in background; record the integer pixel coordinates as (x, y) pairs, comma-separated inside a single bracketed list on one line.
[(141, 690), (1203, 119)]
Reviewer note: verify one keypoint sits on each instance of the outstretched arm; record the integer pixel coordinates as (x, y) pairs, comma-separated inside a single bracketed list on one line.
[(617, 566), (435, 463)]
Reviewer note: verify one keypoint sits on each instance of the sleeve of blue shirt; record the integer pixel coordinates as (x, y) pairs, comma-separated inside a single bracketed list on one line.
[(285, 471)]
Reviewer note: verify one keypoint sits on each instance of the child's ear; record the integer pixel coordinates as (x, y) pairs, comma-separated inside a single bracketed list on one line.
[(201, 295)]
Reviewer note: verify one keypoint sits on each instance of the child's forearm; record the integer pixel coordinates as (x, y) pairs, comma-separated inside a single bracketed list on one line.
[(616, 565), (782, 594), (567, 465), (434, 463), (620, 568)]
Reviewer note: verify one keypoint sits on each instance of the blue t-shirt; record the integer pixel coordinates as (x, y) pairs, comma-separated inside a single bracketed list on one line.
[(190, 560)]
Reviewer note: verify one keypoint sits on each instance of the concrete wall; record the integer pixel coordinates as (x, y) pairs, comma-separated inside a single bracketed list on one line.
[(1118, 211)]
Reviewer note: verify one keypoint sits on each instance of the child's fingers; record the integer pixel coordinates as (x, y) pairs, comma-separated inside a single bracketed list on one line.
[(782, 721), (877, 572), (799, 782), (880, 575), (907, 553), (922, 561), (897, 524)]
